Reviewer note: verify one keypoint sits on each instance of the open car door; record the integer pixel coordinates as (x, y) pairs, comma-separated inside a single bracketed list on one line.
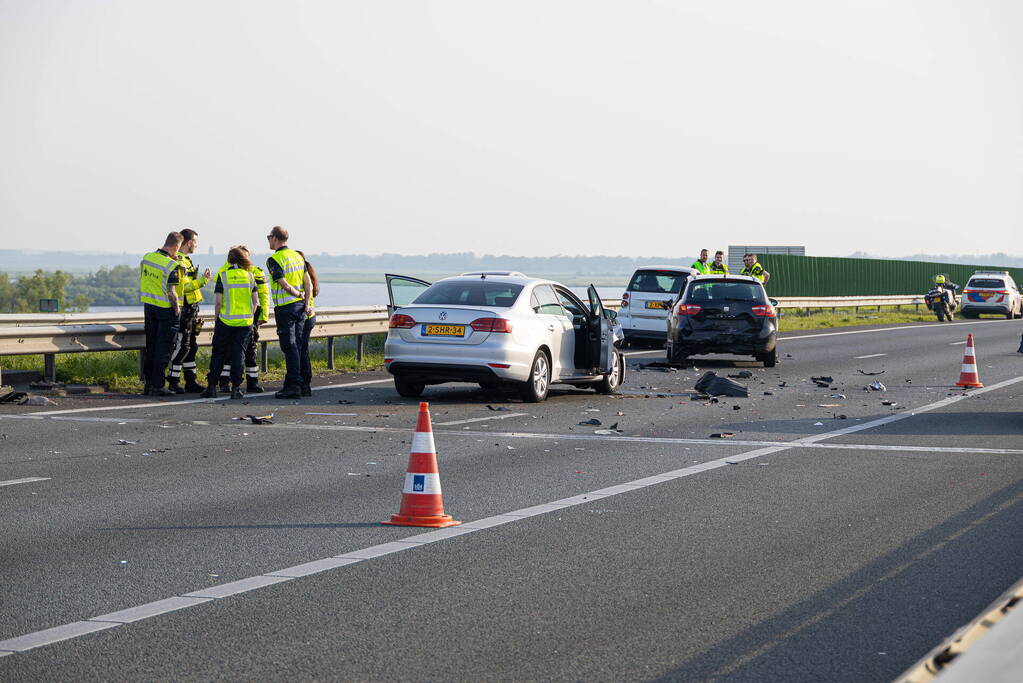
[(601, 336), (402, 290)]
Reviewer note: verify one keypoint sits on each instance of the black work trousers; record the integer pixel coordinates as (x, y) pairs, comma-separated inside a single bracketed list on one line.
[(290, 330), (228, 347), (303, 349), (185, 346), (251, 361), (161, 325)]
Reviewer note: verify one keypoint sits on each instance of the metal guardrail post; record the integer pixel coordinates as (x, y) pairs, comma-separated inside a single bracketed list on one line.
[(50, 367), (263, 352), (330, 353), (359, 347)]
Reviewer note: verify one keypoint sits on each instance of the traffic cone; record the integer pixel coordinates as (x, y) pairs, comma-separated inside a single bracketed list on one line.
[(968, 375), (421, 502)]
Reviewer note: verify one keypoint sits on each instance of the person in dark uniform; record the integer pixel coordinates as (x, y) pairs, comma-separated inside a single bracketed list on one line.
[(158, 279), (310, 323), (252, 385), (190, 284), (290, 289), (236, 302)]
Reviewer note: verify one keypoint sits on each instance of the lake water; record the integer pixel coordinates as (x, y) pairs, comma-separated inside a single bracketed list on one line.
[(363, 294)]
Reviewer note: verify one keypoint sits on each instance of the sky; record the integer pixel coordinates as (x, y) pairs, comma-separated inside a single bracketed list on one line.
[(526, 128)]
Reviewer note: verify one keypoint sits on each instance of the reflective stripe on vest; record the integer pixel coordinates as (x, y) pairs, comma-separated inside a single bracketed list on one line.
[(236, 310), (154, 272), (293, 266)]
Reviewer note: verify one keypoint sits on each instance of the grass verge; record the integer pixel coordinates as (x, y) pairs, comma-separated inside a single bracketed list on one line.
[(118, 370)]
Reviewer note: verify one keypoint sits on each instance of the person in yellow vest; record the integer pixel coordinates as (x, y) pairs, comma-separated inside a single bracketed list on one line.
[(718, 267), (189, 291), (158, 279), (290, 289), (262, 315), (752, 268), (700, 265), (236, 302), (307, 330)]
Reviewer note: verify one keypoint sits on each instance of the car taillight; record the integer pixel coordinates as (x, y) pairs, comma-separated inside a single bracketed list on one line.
[(625, 300), (491, 325), (969, 291), (688, 309), (1002, 291), (401, 321), (764, 311)]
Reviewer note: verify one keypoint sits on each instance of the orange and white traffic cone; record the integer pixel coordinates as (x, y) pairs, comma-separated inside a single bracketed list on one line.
[(968, 377), (421, 502)]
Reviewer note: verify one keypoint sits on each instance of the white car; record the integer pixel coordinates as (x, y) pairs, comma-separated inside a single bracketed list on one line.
[(648, 299), (497, 328), (992, 291)]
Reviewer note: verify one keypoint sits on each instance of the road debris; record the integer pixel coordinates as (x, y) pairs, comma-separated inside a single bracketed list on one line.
[(736, 407), (257, 419), (711, 384), (889, 403), (863, 372), (13, 397), (36, 401), (838, 396), (823, 381), (742, 374), (877, 386), (496, 408), (126, 442), (607, 432), (591, 422), (722, 435)]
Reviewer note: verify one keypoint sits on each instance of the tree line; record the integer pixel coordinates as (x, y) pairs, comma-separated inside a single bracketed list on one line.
[(116, 286)]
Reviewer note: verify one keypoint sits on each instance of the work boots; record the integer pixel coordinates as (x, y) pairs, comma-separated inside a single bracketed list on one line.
[(209, 392), (252, 386), (289, 392), (175, 387), (236, 392), (306, 390), (1020, 349), (191, 386)]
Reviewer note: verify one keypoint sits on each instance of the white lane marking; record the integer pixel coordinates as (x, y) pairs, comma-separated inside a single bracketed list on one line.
[(79, 628), (890, 329), (171, 404), (800, 443), (870, 355), (480, 419), (26, 480), (957, 343)]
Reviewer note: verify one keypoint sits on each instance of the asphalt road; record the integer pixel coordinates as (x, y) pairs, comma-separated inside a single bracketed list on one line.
[(808, 546)]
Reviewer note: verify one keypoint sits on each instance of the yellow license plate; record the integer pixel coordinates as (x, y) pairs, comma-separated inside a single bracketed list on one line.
[(443, 330), (663, 305)]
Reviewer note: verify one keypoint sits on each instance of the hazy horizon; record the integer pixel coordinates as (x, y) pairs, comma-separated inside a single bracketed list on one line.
[(520, 129)]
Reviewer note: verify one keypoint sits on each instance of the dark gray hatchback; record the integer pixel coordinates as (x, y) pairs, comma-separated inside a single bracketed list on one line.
[(723, 314)]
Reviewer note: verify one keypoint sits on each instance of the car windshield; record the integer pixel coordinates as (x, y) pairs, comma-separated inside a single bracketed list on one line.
[(987, 283), (470, 293), (658, 281), (725, 291)]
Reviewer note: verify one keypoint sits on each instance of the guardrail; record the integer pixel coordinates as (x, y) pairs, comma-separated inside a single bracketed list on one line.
[(52, 333)]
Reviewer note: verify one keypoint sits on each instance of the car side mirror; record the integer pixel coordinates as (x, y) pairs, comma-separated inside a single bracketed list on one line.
[(774, 302), (611, 315)]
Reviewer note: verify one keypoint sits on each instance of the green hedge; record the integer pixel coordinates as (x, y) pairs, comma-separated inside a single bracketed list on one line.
[(831, 276)]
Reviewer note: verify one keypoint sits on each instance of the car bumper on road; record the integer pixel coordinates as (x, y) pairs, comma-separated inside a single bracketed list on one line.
[(741, 343), (982, 310)]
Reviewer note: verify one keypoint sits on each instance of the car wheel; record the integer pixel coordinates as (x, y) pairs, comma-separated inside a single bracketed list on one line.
[(613, 380), (534, 389), (769, 359), (408, 389)]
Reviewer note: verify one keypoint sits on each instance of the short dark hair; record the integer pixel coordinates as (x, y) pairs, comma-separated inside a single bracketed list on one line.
[(188, 234), (719, 253), (173, 239), (279, 233)]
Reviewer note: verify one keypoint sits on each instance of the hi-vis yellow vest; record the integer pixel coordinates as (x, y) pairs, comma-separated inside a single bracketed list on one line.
[(190, 283), (293, 266), (237, 309), (154, 271)]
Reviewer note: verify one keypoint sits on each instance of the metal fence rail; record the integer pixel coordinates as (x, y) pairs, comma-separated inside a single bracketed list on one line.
[(52, 333)]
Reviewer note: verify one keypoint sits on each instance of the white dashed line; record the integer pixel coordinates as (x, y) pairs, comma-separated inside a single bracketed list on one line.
[(26, 480), (233, 588), (871, 355), (957, 343)]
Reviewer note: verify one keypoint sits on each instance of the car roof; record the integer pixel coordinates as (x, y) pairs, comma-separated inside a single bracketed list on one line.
[(489, 273), (687, 269), (725, 277), (515, 278), (1003, 273)]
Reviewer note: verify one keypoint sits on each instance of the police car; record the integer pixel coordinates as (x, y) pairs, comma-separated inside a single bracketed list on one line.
[(992, 292)]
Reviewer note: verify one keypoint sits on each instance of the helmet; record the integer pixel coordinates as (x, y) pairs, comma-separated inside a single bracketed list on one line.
[(939, 279)]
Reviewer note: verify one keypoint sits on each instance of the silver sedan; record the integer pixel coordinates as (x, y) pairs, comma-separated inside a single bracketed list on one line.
[(497, 328)]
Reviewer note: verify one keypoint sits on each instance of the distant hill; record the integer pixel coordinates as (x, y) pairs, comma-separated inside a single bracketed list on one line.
[(997, 259)]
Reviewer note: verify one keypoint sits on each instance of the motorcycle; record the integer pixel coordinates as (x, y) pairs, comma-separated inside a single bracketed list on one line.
[(942, 301)]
